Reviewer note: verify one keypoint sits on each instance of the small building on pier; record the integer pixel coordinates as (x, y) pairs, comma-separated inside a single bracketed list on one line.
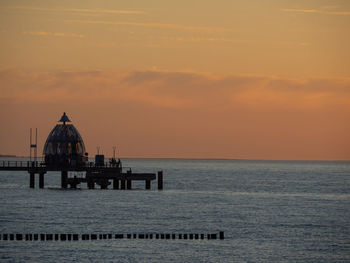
[(64, 146)]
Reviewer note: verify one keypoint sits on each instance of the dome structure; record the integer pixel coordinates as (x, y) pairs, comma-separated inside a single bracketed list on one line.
[(64, 146)]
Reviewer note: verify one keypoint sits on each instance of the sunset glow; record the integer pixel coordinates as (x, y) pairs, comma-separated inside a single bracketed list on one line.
[(179, 79)]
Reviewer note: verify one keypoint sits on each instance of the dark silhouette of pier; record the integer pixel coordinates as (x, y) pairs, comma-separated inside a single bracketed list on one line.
[(64, 151), (94, 175)]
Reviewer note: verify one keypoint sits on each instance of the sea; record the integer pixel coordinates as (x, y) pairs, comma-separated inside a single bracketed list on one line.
[(270, 211)]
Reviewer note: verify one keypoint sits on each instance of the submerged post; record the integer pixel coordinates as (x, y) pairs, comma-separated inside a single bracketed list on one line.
[(64, 179), (32, 180), (41, 180), (160, 180)]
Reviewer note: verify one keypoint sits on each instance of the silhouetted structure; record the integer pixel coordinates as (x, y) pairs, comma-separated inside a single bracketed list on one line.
[(64, 151), (64, 146)]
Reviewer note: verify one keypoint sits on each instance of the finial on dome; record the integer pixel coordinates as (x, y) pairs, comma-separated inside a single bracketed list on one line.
[(64, 119)]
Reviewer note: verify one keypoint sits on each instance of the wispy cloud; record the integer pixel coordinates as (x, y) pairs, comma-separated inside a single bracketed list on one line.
[(330, 7), (325, 11), (226, 40), (52, 34), (256, 116), (152, 25), (181, 89), (292, 10), (201, 39), (78, 10)]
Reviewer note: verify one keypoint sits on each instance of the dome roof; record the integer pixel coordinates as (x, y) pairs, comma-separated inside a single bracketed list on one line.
[(64, 118), (64, 140)]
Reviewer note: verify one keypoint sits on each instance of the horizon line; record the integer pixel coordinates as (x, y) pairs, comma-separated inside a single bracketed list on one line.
[(201, 158)]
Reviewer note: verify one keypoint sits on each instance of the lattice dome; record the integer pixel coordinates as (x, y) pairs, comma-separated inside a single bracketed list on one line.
[(64, 145)]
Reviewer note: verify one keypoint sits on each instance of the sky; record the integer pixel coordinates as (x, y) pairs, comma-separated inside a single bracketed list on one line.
[(179, 79)]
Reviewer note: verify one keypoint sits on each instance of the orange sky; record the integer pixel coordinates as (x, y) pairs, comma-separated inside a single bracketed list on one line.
[(189, 79)]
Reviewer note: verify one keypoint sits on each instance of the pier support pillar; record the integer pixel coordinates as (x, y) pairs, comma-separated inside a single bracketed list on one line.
[(122, 184), (160, 180), (91, 184), (128, 184), (104, 184), (41, 180), (148, 184), (128, 181), (64, 179), (115, 184), (32, 180), (90, 180)]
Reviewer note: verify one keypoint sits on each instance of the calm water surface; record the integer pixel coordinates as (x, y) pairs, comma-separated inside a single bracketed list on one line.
[(271, 211)]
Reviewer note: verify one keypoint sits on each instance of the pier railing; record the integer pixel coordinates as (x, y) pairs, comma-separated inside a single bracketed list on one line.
[(37, 164), (13, 164)]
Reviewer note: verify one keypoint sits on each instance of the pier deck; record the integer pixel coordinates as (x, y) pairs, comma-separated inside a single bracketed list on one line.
[(94, 174)]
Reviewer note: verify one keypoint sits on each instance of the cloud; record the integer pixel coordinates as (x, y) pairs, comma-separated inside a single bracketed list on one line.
[(79, 10), (52, 34), (180, 90), (151, 25), (203, 39), (330, 7), (160, 113), (225, 40), (317, 11), (300, 10)]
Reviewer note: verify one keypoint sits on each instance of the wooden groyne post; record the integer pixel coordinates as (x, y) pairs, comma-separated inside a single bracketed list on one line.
[(102, 236)]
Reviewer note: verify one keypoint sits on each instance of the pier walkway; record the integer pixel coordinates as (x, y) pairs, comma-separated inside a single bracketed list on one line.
[(94, 174)]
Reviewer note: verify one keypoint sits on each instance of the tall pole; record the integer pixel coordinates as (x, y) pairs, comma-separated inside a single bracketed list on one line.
[(36, 143), (114, 151), (30, 147)]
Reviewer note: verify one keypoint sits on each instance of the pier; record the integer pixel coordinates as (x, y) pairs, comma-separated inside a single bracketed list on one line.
[(64, 151), (94, 175)]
